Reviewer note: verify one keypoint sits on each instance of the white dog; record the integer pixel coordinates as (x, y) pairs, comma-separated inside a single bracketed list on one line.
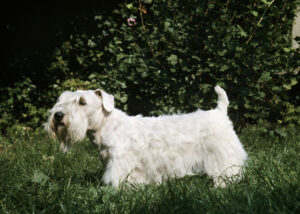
[(150, 149)]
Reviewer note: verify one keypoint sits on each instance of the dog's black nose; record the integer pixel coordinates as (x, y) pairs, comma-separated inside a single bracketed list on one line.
[(58, 116)]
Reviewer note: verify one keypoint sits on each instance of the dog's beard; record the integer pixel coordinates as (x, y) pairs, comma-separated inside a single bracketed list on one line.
[(69, 134), (65, 144), (61, 132)]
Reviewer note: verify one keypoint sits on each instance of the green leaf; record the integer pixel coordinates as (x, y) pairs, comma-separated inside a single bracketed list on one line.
[(265, 77), (80, 60), (121, 56), (265, 1), (123, 99), (242, 31), (91, 43), (294, 81), (93, 193), (211, 64), (196, 58), (92, 76), (289, 85), (147, 1), (222, 52), (144, 74), (224, 68), (129, 6), (172, 59), (167, 25), (262, 94), (254, 13), (99, 54), (39, 177)]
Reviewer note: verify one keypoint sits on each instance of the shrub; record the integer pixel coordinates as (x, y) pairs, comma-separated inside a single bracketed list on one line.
[(170, 59), (20, 105)]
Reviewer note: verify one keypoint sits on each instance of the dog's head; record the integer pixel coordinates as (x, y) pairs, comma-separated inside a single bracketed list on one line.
[(77, 112)]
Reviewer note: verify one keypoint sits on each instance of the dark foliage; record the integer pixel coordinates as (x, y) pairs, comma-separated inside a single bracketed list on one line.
[(167, 62)]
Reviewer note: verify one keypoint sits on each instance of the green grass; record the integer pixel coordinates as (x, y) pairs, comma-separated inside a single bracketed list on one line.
[(36, 178)]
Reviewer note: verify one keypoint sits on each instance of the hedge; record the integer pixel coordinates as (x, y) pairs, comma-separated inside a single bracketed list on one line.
[(168, 57)]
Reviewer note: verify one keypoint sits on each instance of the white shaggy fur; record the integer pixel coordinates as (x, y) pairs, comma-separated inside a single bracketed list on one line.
[(150, 149)]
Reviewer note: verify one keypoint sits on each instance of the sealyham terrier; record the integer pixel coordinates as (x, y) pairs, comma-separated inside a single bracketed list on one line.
[(150, 149)]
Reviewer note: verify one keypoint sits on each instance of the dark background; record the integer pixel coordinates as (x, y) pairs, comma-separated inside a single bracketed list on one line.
[(30, 31)]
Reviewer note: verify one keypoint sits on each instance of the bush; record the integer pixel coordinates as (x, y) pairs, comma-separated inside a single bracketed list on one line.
[(20, 105), (170, 59)]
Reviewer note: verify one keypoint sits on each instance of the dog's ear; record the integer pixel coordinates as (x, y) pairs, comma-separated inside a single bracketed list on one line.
[(107, 99)]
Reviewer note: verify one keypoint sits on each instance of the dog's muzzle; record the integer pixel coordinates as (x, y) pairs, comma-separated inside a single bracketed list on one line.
[(59, 125), (58, 121)]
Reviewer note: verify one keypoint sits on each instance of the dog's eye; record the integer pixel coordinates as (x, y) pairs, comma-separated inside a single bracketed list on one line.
[(82, 102)]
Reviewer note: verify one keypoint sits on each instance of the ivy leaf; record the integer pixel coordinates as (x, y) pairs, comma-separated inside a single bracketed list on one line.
[(172, 60), (129, 6), (289, 85), (224, 68), (265, 77), (294, 81)]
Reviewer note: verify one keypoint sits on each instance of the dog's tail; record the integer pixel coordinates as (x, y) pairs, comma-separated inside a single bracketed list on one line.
[(223, 101)]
